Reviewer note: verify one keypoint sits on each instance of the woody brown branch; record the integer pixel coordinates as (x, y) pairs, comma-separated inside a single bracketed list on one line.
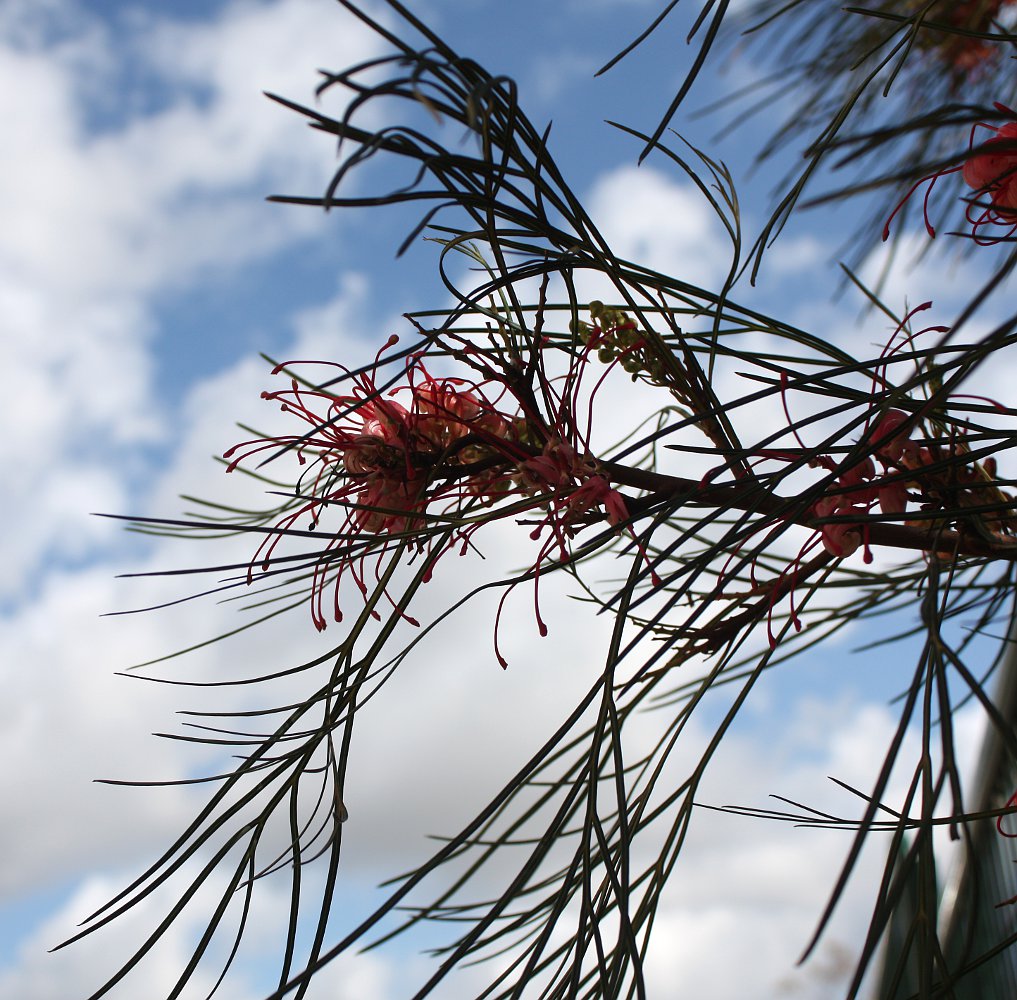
[(750, 496)]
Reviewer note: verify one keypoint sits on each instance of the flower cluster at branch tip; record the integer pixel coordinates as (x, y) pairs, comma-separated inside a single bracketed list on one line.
[(860, 489), (889, 469), (938, 475), (378, 460), (990, 170), (417, 468)]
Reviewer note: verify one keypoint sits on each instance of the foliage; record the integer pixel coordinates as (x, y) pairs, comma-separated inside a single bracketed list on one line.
[(735, 550)]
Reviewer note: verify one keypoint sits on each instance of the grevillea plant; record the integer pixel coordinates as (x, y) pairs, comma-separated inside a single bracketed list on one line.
[(775, 488)]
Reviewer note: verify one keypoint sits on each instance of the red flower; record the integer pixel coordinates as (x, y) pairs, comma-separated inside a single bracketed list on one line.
[(991, 170), (840, 538)]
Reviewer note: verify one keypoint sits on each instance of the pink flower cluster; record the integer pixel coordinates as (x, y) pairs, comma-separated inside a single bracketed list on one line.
[(406, 466), (991, 171), (384, 464), (575, 485), (860, 489), (937, 477)]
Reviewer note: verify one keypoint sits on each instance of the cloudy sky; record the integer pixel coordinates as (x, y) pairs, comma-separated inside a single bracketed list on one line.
[(141, 273)]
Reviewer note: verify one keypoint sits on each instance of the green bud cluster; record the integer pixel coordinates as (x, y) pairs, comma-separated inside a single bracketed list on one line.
[(617, 338)]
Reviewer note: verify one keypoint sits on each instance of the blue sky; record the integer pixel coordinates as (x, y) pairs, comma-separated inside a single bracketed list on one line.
[(141, 273)]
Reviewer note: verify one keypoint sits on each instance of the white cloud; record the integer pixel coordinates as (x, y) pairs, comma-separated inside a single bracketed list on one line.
[(748, 893), (661, 223), (554, 74), (437, 742), (86, 964), (57, 656), (947, 281), (58, 659), (98, 224), (170, 193), (796, 255), (945, 278)]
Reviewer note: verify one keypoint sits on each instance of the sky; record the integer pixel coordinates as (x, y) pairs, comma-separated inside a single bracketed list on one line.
[(142, 274)]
